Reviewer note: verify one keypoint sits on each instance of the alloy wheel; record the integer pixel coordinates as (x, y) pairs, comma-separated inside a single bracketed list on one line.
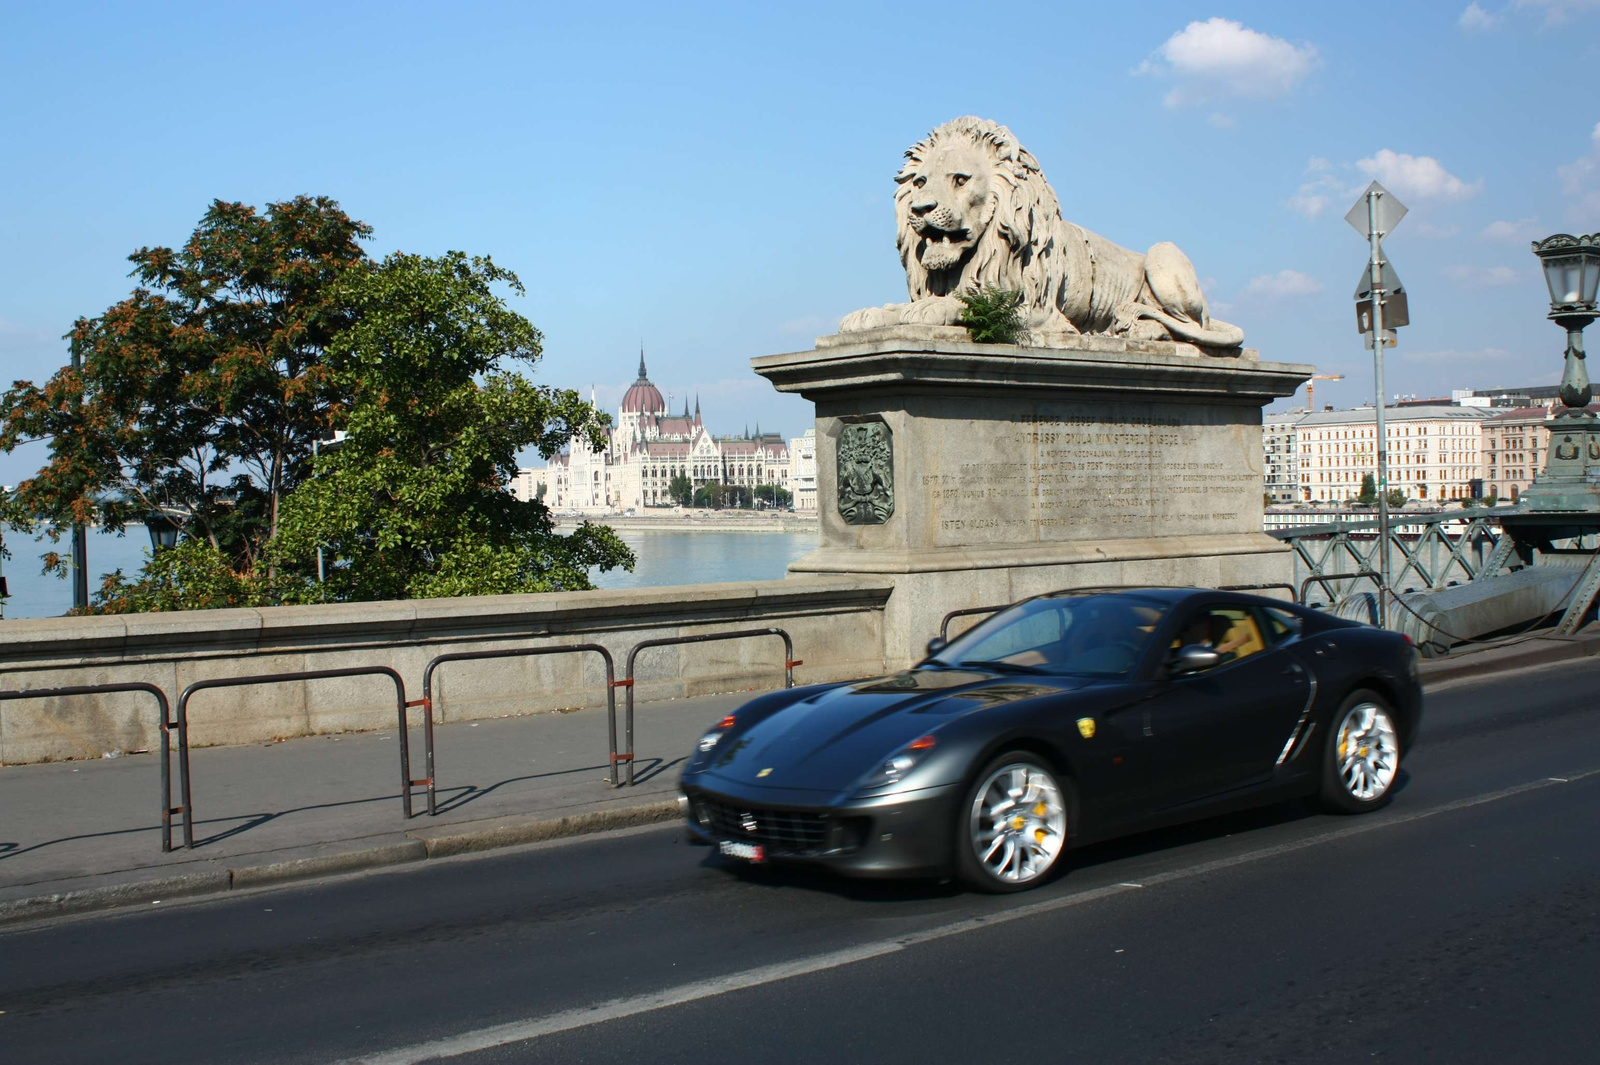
[(1018, 823), (1367, 754)]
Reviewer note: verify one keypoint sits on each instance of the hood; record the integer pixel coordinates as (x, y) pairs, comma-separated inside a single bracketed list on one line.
[(829, 741)]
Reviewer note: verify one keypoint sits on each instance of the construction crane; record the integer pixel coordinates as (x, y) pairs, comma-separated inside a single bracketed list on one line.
[(1311, 388)]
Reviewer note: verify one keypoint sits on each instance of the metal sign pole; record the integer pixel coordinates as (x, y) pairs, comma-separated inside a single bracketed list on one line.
[(1376, 266)]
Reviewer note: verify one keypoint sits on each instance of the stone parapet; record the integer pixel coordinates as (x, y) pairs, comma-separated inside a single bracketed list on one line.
[(836, 623)]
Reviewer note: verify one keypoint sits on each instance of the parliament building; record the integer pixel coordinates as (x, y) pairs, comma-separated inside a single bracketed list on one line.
[(646, 447)]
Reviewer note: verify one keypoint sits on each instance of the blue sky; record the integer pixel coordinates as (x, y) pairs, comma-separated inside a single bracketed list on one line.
[(715, 180)]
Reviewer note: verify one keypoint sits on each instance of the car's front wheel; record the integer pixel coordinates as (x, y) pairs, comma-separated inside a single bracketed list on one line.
[(1361, 756), (1011, 831)]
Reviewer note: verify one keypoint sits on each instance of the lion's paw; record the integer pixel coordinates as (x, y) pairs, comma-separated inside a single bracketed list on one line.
[(872, 318), (935, 310)]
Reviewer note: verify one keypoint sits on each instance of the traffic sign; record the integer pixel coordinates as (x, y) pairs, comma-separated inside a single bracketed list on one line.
[(1389, 280), (1389, 211), (1389, 338), (1396, 312)]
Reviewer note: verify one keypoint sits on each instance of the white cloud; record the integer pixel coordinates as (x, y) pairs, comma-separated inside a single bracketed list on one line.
[(1580, 180), (1483, 276), (1220, 120), (1455, 357), (1283, 284), (1476, 18), (1512, 232), (1419, 176), (1220, 58), (1316, 194), (1557, 12)]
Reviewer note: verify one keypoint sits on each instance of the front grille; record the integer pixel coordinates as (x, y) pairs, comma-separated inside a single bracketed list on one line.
[(780, 831)]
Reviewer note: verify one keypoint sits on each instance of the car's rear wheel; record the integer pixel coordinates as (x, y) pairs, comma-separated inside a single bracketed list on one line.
[(1011, 831), (1361, 756)]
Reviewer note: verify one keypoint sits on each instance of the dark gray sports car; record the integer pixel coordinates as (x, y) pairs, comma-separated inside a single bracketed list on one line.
[(1066, 718)]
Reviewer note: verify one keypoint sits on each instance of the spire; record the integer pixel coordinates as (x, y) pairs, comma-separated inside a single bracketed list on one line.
[(697, 406), (641, 361), (747, 430), (686, 405)]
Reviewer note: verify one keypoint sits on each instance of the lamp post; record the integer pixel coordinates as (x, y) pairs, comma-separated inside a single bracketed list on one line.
[(163, 531), (1569, 484), (1572, 272)]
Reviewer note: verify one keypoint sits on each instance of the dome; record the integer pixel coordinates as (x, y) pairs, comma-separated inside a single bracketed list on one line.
[(643, 397)]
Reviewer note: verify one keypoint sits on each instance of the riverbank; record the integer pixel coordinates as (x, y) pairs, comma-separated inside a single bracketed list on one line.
[(698, 521)]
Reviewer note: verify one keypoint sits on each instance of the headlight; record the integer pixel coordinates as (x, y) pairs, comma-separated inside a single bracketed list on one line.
[(899, 764), (709, 741)]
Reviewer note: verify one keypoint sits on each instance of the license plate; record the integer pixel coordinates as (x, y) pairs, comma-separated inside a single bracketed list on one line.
[(749, 852)]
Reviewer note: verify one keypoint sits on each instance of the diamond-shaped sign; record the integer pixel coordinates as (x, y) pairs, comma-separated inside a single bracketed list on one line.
[(1389, 210)]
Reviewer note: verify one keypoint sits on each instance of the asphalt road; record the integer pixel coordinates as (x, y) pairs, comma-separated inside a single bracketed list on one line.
[(1461, 924)]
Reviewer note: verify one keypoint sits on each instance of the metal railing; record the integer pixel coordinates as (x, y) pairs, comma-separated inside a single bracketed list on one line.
[(401, 705), (1424, 550), (1327, 579), (167, 725), (525, 652), (789, 662)]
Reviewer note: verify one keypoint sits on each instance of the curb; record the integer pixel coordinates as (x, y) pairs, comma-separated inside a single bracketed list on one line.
[(220, 881), (1546, 651)]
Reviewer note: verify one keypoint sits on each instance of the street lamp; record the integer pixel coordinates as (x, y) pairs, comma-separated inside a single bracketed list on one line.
[(1572, 272), (163, 532)]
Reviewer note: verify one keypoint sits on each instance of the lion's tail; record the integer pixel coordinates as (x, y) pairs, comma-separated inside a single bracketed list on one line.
[(1214, 334)]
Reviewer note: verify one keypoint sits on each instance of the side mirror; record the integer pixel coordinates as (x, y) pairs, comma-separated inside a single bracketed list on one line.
[(1195, 658), (937, 644)]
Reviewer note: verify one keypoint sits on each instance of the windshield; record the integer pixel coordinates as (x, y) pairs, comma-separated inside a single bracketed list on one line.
[(1096, 635)]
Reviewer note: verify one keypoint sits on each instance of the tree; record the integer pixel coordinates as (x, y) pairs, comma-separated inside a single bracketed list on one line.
[(710, 495), (1369, 490), (680, 490), (200, 394), (1397, 498), (1491, 499), (994, 315), (772, 495), (414, 503)]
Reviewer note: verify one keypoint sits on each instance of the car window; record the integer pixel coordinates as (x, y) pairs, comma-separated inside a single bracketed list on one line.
[(1092, 634), (1233, 632), (1281, 625)]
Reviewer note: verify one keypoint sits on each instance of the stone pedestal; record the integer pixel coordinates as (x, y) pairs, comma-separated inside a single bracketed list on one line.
[(1564, 500), (977, 474)]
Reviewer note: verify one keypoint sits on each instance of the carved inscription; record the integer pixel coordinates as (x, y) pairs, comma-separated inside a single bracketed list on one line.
[(1051, 477)]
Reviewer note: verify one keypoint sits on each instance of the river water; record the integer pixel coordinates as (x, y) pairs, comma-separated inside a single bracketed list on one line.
[(699, 557)]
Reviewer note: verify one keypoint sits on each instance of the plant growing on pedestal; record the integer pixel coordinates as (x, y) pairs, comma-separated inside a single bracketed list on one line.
[(994, 315), (680, 490)]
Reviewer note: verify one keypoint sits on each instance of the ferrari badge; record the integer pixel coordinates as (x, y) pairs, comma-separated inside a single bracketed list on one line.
[(1086, 727)]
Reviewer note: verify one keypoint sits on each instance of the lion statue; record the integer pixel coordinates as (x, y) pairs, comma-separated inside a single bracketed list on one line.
[(973, 209)]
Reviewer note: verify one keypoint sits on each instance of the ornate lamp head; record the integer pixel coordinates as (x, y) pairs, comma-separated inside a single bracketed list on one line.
[(1571, 270), (1572, 273), (163, 531)]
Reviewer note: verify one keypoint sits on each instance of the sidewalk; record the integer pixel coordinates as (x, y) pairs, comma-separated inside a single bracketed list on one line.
[(84, 835), (88, 832)]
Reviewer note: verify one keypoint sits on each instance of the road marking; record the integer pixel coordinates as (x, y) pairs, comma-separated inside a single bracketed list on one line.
[(616, 1009)]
